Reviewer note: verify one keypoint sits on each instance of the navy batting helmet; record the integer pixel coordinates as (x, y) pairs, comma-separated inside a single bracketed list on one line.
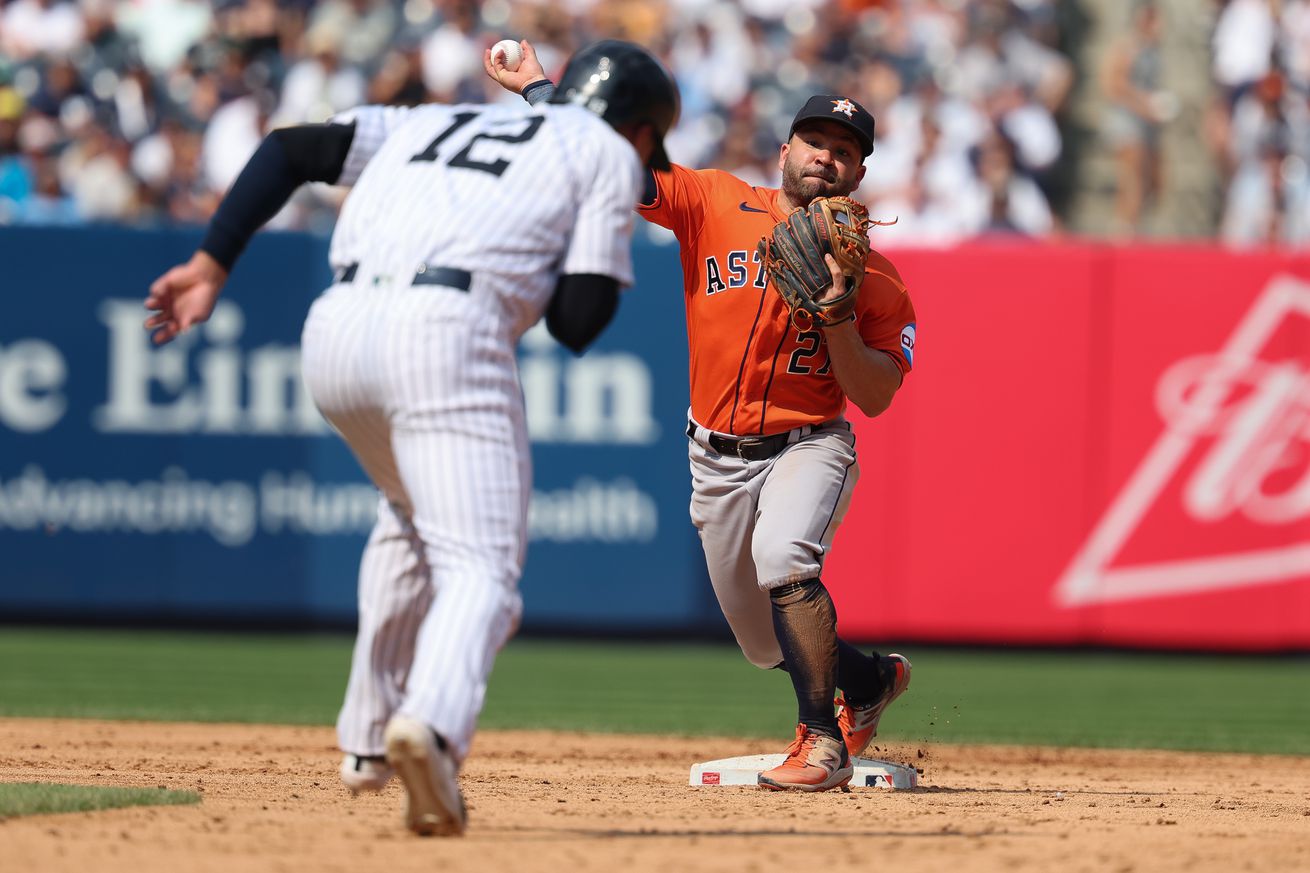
[(622, 83)]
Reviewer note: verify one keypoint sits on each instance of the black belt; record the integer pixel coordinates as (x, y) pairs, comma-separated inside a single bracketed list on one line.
[(749, 448), (448, 277)]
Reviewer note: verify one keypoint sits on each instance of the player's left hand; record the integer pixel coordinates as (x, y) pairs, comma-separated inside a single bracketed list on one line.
[(838, 280), (816, 258), (184, 296), (837, 287)]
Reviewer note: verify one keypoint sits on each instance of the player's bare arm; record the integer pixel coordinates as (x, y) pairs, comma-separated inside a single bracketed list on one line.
[(287, 158), (868, 377)]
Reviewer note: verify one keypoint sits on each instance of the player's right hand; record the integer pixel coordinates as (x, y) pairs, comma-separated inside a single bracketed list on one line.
[(184, 296), (529, 70)]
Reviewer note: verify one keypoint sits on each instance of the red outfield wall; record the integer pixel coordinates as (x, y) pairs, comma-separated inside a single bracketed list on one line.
[(1098, 445)]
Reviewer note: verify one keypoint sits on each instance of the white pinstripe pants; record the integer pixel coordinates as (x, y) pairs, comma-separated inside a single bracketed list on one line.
[(422, 383)]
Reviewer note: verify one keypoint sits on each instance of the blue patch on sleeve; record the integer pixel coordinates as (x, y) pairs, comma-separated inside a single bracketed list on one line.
[(907, 343)]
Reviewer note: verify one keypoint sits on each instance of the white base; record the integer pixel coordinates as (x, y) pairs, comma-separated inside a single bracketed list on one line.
[(869, 772)]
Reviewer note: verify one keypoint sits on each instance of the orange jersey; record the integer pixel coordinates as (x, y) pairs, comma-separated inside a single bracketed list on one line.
[(752, 372)]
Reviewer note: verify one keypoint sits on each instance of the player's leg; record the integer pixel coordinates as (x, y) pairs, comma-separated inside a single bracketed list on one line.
[(395, 592), (858, 715), (723, 500), (460, 439), (802, 500), (820, 472), (394, 589), (470, 492), (470, 497)]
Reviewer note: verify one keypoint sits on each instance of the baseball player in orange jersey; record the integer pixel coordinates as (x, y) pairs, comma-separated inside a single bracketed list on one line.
[(772, 457)]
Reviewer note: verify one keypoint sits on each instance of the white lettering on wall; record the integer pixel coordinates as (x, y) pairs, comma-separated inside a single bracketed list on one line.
[(32, 372), (293, 503), (602, 397), (151, 390)]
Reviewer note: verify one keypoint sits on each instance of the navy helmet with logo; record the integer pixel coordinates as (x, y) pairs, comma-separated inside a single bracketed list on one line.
[(623, 83)]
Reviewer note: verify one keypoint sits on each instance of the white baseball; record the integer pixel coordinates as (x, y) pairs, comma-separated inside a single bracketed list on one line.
[(511, 51)]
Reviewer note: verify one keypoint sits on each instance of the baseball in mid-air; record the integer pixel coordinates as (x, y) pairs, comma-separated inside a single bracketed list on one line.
[(511, 52)]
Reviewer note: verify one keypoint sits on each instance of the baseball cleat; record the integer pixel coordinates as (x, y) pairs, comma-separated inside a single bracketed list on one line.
[(435, 806), (365, 772), (814, 763), (859, 724)]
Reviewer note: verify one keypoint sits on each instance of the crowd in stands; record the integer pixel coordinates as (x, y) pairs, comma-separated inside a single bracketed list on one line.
[(144, 111), (1259, 125)]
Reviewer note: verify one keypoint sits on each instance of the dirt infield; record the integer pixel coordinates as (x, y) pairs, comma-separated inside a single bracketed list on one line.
[(545, 801)]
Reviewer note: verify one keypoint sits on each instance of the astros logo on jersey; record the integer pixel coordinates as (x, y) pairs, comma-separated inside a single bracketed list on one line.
[(844, 105)]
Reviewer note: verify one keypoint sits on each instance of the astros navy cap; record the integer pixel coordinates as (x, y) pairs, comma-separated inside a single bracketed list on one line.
[(842, 110)]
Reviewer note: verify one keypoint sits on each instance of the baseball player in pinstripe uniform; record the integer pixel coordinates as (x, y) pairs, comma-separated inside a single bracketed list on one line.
[(410, 356), (772, 456)]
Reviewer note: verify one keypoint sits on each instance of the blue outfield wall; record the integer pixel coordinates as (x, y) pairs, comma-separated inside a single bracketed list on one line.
[(197, 482)]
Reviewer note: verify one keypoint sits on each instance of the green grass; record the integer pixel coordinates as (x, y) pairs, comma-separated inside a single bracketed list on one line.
[(41, 798), (1088, 699)]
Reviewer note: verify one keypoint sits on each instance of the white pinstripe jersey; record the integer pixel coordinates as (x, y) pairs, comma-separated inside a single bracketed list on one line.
[(517, 194)]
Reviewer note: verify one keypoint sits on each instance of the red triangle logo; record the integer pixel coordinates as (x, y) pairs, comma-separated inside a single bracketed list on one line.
[(1233, 460)]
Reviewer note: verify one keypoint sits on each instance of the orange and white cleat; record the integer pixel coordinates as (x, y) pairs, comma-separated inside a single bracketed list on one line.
[(814, 763), (859, 724)]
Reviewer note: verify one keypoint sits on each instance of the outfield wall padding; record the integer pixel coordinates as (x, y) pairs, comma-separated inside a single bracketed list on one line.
[(1099, 445)]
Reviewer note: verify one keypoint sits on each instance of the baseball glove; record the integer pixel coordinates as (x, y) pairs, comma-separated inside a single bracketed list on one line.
[(793, 255)]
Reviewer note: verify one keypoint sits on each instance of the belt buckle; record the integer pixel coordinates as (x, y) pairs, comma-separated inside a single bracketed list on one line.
[(745, 442)]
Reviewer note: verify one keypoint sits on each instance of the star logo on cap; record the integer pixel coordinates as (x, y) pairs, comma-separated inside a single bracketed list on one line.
[(844, 105)]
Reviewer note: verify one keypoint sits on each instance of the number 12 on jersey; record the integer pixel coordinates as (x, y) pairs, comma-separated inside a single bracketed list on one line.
[(464, 158)]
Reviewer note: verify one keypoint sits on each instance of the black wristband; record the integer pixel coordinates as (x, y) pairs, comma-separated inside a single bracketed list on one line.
[(538, 91)]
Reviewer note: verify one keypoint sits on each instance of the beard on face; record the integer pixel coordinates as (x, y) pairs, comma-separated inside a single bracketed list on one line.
[(802, 184)]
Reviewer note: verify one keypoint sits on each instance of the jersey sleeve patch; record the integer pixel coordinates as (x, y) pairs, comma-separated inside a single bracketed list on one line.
[(907, 343)]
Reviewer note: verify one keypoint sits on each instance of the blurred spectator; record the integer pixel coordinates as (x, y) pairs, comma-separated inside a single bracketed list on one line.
[(164, 30), (1136, 110), (319, 85), (1243, 44), (1000, 200), (399, 79), (1269, 141), (743, 156), (1294, 44), (16, 176), (48, 204), (922, 212), (28, 28), (137, 103), (452, 55), (232, 136), (999, 52), (362, 28), (1262, 116), (1267, 200), (1028, 124), (95, 171), (60, 82), (148, 108)]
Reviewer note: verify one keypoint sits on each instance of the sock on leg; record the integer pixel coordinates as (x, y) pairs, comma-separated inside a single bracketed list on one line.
[(805, 620)]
